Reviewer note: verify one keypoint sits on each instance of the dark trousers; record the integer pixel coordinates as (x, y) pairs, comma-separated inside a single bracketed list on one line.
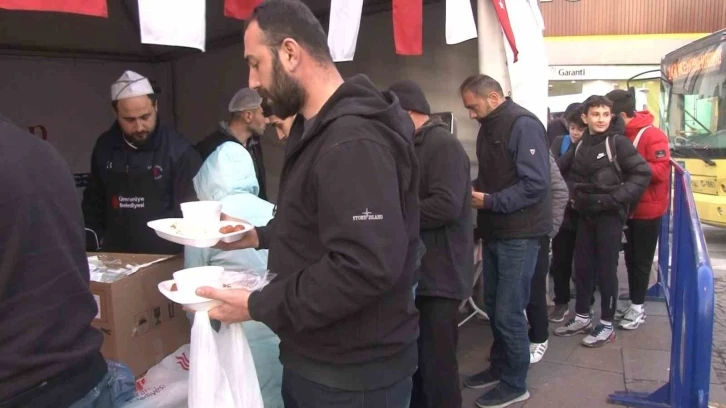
[(509, 265), (299, 392), (537, 307), (563, 250), (596, 259), (436, 382), (641, 239)]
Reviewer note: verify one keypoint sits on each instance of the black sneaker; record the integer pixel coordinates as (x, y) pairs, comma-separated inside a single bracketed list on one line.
[(501, 396), (482, 380)]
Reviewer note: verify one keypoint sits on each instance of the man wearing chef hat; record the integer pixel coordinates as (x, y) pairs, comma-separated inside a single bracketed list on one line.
[(141, 170)]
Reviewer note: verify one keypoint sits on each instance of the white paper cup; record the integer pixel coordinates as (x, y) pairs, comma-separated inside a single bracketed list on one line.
[(204, 213), (189, 280)]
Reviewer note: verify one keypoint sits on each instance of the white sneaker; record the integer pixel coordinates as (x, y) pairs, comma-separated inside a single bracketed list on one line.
[(537, 351), (632, 319), (574, 326), (600, 336)]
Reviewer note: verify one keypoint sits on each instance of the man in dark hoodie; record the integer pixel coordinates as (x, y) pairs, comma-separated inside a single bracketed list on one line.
[(608, 176), (344, 238), (446, 273), (49, 353), (514, 213)]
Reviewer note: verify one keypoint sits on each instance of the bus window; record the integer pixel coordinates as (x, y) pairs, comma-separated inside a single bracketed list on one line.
[(696, 102)]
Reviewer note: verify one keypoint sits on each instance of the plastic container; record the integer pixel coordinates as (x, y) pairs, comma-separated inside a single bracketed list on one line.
[(188, 280), (206, 213)]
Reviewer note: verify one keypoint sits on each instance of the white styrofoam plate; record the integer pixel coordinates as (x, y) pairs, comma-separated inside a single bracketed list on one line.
[(192, 302), (176, 230)]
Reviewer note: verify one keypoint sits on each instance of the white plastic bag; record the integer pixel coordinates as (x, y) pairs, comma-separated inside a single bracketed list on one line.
[(165, 385), (222, 371)]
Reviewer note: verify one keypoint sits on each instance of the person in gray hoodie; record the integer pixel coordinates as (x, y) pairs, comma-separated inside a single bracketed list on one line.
[(537, 307)]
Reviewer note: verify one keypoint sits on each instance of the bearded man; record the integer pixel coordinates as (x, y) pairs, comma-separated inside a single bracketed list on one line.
[(345, 235), (141, 171)]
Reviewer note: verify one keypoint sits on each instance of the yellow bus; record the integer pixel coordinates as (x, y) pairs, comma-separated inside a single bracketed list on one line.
[(693, 115)]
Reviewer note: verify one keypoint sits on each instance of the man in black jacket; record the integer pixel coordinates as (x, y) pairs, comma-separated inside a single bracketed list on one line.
[(446, 271), (141, 170), (344, 238), (514, 212), (245, 126), (608, 176), (49, 353)]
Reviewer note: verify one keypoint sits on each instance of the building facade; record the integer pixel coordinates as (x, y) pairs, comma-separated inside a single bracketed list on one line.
[(594, 47)]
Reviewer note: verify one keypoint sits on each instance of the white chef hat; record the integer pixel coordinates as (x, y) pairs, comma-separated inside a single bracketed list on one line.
[(245, 99), (130, 84)]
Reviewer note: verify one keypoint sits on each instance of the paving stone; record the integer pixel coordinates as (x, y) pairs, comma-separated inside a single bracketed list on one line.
[(604, 358), (655, 334), (560, 385), (641, 364), (472, 362), (559, 349)]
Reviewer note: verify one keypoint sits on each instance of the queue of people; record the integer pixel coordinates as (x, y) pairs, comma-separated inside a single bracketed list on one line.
[(371, 237)]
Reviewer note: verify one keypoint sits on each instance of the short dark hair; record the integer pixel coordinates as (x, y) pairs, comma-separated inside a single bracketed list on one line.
[(151, 96), (595, 101), (281, 19), (574, 116), (481, 85), (623, 102)]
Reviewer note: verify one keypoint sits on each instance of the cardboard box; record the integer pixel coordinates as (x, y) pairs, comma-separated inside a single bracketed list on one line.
[(140, 325)]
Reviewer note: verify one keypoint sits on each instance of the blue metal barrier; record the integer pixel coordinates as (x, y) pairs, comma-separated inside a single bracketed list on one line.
[(686, 281)]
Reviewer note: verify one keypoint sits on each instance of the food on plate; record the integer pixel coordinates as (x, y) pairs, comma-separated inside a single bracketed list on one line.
[(190, 229), (228, 229), (173, 287)]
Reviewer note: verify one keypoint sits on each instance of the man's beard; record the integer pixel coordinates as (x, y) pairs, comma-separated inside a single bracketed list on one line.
[(286, 95)]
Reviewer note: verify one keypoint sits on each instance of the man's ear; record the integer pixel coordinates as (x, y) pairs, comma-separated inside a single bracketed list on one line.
[(584, 117), (290, 53)]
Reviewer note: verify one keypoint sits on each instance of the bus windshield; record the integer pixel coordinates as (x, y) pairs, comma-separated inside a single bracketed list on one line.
[(695, 96)]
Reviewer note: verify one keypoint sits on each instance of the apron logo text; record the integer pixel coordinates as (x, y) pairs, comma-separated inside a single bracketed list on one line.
[(131, 203)]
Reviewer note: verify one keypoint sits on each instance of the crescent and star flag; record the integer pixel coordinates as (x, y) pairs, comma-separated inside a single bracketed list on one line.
[(503, 16), (240, 9), (343, 30), (96, 8), (408, 26), (179, 23), (460, 25)]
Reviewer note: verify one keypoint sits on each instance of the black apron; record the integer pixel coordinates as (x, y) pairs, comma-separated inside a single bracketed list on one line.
[(132, 201)]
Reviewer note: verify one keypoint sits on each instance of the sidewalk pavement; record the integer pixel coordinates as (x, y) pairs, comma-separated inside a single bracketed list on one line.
[(571, 375)]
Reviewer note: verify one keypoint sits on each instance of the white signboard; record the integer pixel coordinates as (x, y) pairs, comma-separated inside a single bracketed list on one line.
[(600, 72)]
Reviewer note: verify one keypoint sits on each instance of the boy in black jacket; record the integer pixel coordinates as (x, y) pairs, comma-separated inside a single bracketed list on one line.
[(608, 176)]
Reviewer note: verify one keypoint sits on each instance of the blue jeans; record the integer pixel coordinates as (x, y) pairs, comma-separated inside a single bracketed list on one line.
[(114, 390), (508, 267)]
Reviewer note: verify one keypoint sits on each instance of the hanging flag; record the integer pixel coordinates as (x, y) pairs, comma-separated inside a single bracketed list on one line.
[(408, 26), (503, 17), (460, 25), (343, 30), (537, 14), (179, 23), (96, 8), (240, 9)]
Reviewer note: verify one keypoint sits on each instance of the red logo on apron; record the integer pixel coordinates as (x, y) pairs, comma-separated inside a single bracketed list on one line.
[(115, 202), (157, 172)]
